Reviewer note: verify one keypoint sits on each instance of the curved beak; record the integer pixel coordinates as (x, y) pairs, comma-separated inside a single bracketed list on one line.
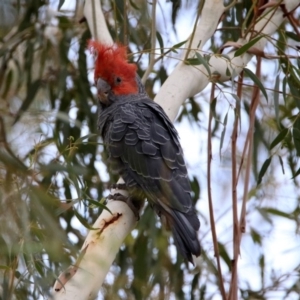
[(103, 89)]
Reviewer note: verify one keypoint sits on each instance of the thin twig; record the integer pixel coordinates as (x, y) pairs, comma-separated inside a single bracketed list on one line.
[(248, 147), (291, 19), (254, 104), (232, 4), (94, 20), (115, 18), (125, 35), (255, 21), (236, 230), (272, 90), (210, 202), (153, 43), (3, 141), (194, 30)]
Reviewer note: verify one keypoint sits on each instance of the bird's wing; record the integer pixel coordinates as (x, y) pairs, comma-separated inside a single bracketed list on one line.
[(142, 139)]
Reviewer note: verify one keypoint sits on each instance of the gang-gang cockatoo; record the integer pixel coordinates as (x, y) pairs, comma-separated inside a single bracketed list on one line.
[(143, 146)]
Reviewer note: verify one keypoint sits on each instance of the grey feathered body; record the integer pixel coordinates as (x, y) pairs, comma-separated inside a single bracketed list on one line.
[(144, 149)]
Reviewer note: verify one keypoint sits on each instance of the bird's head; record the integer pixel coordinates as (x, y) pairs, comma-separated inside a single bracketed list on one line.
[(114, 76)]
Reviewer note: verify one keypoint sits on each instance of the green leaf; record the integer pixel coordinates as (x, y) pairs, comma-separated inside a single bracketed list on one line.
[(296, 68), (236, 97), (276, 98), (224, 254), (292, 35), (204, 62), (296, 136), (195, 188), (140, 262), (9, 14), (193, 61), (199, 60), (284, 88), (60, 4), (160, 41), (228, 73), (9, 79), (225, 56), (64, 117), (133, 5), (294, 89), (83, 220), (39, 266), (72, 169), (278, 213), (213, 106), (12, 162), (88, 136), (281, 163), (256, 237), (262, 264), (296, 174), (176, 46), (31, 92), (98, 204), (223, 133), (282, 134), (66, 206), (256, 81), (247, 46), (263, 169)]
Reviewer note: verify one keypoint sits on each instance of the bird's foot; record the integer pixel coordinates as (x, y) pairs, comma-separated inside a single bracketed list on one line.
[(128, 200), (118, 186)]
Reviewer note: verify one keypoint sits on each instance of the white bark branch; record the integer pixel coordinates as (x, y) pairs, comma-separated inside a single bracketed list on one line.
[(94, 15), (186, 81), (85, 278)]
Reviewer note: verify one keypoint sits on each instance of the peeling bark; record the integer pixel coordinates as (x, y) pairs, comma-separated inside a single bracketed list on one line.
[(85, 278)]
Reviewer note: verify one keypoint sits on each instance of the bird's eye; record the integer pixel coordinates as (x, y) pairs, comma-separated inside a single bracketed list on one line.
[(118, 80)]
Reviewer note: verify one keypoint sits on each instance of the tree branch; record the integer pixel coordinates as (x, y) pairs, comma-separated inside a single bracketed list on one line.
[(210, 198), (186, 81), (94, 15), (153, 42), (193, 79), (84, 279)]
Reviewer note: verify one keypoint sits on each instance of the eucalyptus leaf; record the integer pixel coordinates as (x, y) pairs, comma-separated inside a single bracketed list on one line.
[(256, 81), (279, 138), (247, 46), (263, 169)]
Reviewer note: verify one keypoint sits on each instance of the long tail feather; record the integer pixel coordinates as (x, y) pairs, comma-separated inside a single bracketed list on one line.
[(184, 228)]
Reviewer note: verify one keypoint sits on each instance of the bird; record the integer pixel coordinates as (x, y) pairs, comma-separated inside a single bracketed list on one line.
[(143, 146)]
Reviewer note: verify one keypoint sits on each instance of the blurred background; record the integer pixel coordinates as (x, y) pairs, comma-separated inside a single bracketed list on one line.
[(53, 178)]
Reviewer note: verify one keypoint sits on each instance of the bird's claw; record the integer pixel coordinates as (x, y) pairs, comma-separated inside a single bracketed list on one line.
[(118, 186), (128, 201)]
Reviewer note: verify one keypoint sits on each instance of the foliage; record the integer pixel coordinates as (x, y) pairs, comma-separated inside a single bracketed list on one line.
[(52, 172)]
